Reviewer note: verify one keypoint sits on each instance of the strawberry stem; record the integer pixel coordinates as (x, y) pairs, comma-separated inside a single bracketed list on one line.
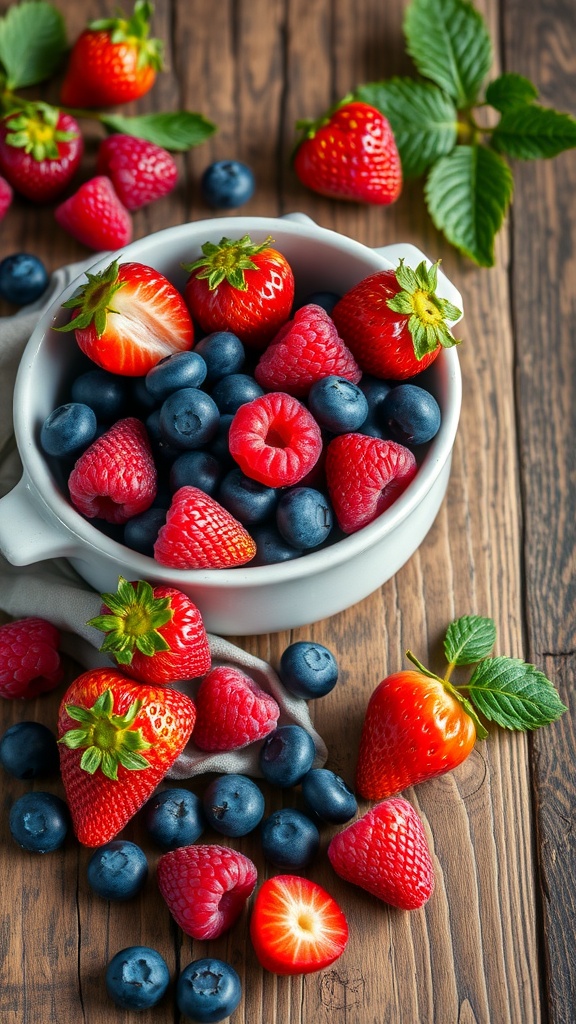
[(107, 740), (227, 261), (133, 621), (454, 691)]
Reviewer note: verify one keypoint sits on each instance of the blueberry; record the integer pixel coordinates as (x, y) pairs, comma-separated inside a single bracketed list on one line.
[(106, 393), (308, 669), (375, 392), (337, 404), (247, 499), (326, 300), (328, 796), (174, 817), (68, 429), (304, 517), (117, 870), (223, 354), (23, 278), (219, 446), (235, 390), (196, 469), (271, 546), (286, 755), (233, 804), (290, 840), (39, 822), (188, 418), (143, 402), (137, 977), (208, 990), (176, 371), (28, 750), (140, 532), (227, 184), (411, 414)]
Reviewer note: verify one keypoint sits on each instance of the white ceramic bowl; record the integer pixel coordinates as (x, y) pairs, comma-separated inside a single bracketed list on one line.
[(37, 522)]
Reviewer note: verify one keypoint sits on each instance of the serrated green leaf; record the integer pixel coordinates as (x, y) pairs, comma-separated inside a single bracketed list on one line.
[(177, 131), (449, 43), (514, 694), (32, 43), (467, 194), (510, 90), (422, 117), (531, 132), (469, 639)]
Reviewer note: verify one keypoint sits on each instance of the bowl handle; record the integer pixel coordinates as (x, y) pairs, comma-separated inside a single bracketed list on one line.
[(25, 536), (413, 256)]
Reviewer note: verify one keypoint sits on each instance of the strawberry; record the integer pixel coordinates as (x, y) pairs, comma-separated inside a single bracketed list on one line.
[(156, 634), (275, 439), (200, 534), (305, 349), (350, 153), (205, 887), (6, 195), (118, 738), (113, 61), (296, 927), (29, 658), (94, 216), (232, 711), (115, 478), (241, 287), (386, 852), (365, 475), (40, 151), (128, 317), (140, 170), (394, 323)]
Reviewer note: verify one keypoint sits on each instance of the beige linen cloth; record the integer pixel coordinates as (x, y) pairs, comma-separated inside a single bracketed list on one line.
[(52, 589)]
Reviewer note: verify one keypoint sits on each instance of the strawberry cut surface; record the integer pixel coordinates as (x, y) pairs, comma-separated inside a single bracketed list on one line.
[(205, 887)]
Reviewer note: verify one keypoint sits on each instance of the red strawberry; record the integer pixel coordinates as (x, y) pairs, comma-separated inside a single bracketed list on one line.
[(414, 729), (365, 475), (113, 61), (40, 151), (240, 287), (305, 349), (128, 317), (155, 633), (205, 887), (139, 170), (232, 711), (296, 926), (118, 738), (200, 534), (5, 197), (29, 658), (394, 322), (95, 216), (386, 852), (115, 478), (350, 153), (275, 440)]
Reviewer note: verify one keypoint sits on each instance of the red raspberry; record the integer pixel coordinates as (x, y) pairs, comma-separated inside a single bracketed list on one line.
[(305, 349), (5, 196), (29, 658), (275, 440), (200, 534), (95, 216), (139, 170), (205, 887), (232, 711), (115, 478), (365, 475)]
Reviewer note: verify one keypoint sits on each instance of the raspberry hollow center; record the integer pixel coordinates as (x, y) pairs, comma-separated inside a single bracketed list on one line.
[(275, 439)]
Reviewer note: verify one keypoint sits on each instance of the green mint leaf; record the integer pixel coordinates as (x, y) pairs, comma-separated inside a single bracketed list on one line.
[(514, 694), (510, 90), (177, 131), (469, 639), (449, 43), (467, 194), (32, 43), (530, 131), (422, 118)]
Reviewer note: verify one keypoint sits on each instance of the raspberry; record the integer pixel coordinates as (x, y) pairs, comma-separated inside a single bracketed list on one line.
[(140, 170), (365, 475), (6, 196), (275, 440), (200, 534), (115, 478), (231, 711), (95, 216), (29, 658), (305, 350)]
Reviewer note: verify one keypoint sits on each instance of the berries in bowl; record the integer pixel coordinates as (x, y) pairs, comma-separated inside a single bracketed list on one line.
[(267, 494)]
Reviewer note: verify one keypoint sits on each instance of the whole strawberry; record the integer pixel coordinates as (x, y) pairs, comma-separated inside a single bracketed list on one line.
[(113, 61), (365, 475), (232, 711), (139, 170), (156, 634), (40, 151), (118, 738), (350, 153), (115, 478), (94, 216), (394, 323), (29, 658), (200, 534)]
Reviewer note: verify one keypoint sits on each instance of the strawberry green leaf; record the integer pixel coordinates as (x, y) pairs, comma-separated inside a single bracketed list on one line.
[(469, 639), (514, 694), (449, 43), (32, 43), (510, 90), (467, 194), (177, 131), (422, 117), (530, 131)]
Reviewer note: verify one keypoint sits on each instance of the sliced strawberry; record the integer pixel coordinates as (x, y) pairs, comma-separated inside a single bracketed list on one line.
[(365, 475), (232, 711), (200, 534), (275, 440), (115, 478), (296, 926)]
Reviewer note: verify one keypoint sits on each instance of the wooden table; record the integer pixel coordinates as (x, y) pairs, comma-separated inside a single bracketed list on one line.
[(496, 943)]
